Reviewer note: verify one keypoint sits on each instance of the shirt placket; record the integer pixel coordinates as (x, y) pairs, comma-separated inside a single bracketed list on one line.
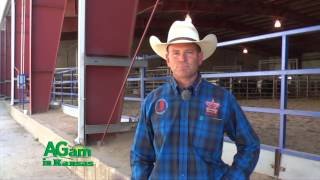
[(183, 148)]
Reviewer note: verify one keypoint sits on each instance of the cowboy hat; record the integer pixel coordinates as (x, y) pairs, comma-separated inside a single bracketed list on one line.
[(184, 32)]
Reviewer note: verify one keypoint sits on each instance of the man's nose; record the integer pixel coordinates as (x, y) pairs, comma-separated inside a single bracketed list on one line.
[(182, 57)]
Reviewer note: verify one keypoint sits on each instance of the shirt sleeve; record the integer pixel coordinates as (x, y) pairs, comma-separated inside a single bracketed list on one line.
[(142, 155), (240, 131)]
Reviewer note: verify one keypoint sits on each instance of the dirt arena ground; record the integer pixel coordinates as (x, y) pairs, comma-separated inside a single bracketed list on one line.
[(302, 132)]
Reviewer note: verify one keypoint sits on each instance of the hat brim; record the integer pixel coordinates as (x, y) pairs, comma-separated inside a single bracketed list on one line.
[(208, 45)]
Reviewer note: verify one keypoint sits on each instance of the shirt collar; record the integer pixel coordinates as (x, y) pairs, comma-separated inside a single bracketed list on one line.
[(194, 87)]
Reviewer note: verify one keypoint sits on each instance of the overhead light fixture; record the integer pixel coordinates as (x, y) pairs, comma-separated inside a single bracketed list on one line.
[(188, 18), (277, 23), (245, 51)]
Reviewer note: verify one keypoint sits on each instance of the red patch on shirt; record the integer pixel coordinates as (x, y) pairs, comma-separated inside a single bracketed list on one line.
[(212, 108), (161, 106)]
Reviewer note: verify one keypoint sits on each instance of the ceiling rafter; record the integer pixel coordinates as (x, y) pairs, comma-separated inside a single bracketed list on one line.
[(203, 24), (230, 20), (239, 8)]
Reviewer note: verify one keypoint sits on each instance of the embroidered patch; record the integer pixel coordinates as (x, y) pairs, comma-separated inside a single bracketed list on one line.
[(212, 108), (161, 106)]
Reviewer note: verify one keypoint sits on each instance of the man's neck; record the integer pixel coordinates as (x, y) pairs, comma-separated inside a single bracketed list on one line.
[(185, 83)]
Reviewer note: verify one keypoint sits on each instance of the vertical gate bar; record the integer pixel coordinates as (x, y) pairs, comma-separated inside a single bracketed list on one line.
[(283, 101), (277, 163), (142, 90), (283, 96), (61, 90), (72, 87)]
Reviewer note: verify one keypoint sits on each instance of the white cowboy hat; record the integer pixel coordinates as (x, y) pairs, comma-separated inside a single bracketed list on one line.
[(184, 32)]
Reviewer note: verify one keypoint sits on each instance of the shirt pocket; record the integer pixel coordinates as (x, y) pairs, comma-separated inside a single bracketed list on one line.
[(208, 137)]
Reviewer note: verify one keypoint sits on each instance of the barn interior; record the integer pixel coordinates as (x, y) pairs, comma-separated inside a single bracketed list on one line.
[(230, 20), (250, 66)]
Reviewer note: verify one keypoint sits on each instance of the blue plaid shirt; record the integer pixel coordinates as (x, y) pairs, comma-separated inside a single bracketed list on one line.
[(176, 139)]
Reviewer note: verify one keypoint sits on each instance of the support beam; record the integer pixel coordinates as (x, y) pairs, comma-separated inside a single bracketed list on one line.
[(22, 42), (81, 71), (109, 30), (17, 46), (2, 63), (47, 20), (8, 57), (13, 28)]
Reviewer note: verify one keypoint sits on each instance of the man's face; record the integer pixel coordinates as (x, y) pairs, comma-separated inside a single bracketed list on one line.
[(184, 60)]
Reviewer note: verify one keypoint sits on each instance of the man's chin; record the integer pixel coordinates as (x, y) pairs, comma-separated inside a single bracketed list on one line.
[(184, 76)]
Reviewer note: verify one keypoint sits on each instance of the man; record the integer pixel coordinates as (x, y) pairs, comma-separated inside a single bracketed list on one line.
[(182, 123)]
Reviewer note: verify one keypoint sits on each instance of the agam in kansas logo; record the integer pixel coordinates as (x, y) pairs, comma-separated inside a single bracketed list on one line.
[(62, 154)]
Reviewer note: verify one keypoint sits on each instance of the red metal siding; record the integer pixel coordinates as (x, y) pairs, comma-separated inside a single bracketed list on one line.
[(110, 27)]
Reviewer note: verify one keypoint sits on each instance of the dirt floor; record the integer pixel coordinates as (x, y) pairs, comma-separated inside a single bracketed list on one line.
[(302, 132)]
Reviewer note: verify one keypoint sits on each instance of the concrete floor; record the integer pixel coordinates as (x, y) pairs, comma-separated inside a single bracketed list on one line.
[(21, 154)]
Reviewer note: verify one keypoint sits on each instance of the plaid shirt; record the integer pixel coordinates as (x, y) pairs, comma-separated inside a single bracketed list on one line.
[(181, 139)]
